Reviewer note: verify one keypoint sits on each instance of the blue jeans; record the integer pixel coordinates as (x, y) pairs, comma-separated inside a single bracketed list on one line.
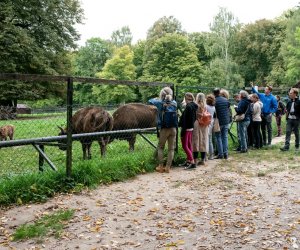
[(222, 140), (243, 125)]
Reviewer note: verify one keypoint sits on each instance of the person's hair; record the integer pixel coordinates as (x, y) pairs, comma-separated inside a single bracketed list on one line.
[(210, 100), (244, 94), (168, 98), (296, 91), (216, 92), (200, 100), (255, 96), (270, 88), (278, 97), (189, 97), (165, 91), (224, 93)]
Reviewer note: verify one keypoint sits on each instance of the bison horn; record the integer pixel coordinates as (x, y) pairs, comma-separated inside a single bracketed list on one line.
[(61, 129)]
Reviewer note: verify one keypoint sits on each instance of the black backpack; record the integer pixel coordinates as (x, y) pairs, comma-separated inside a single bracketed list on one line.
[(169, 116)]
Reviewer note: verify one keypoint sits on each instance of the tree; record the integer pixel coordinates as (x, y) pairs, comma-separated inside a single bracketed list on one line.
[(256, 48), (290, 48), (138, 58), (122, 37), (203, 43), (35, 38), (173, 59), (119, 67), (223, 29)]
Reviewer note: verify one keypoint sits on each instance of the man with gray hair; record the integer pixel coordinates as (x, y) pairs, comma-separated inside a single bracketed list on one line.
[(243, 108)]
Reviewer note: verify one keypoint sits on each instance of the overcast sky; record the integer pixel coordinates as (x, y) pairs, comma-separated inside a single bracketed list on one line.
[(104, 17)]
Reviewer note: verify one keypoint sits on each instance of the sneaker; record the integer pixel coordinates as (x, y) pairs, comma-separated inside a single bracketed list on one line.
[(190, 166), (225, 156), (211, 157), (237, 149), (243, 151), (184, 164), (284, 149)]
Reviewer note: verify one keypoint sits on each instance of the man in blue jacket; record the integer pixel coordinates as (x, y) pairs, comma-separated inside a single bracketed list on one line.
[(269, 107), (223, 114)]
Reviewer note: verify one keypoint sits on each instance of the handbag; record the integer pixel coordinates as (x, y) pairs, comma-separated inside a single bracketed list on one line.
[(216, 127), (241, 117)]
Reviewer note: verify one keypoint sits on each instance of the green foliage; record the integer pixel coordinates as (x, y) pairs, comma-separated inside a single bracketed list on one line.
[(53, 223), (164, 26), (119, 67), (203, 44), (173, 58), (91, 58), (138, 57), (122, 37), (257, 47), (35, 37)]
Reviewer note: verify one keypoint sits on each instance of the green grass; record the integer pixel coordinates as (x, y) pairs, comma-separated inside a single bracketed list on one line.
[(47, 225)]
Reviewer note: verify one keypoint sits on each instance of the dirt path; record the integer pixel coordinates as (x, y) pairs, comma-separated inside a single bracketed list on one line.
[(208, 208)]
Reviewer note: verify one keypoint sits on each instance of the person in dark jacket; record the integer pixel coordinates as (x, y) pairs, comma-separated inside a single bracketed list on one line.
[(243, 108), (269, 108), (223, 114), (279, 113), (293, 117), (186, 123)]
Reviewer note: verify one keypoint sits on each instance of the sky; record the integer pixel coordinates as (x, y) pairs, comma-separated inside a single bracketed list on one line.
[(104, 17)]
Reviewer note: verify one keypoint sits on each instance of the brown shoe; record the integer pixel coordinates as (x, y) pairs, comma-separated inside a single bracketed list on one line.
[(201, 163), (160, 168)]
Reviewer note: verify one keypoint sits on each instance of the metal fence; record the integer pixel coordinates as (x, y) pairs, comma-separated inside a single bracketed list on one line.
[(36, 140)]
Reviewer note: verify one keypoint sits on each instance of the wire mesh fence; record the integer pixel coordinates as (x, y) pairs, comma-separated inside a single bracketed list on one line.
[(40, 137)]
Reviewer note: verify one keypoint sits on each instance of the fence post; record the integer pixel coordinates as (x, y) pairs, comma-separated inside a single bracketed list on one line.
[(69, 126)]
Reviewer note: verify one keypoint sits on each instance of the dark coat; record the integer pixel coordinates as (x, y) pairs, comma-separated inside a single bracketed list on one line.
[(223, 110), (188, 116), (244, 108), (296, 107)]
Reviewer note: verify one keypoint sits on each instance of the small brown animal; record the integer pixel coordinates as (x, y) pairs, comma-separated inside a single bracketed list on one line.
[(7, 131)]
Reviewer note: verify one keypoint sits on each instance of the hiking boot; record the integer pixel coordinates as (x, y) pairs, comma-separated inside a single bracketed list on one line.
[(226, 156), (190, 166), (219, 157), (284, 149), (160, 168)]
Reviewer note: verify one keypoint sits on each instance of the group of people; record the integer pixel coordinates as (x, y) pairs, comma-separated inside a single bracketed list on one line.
[(253, 116)]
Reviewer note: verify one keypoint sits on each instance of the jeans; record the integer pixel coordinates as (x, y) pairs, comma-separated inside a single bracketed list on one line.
[(266, 125), (243, 125), (292, 125), (222, 140), (210, 145)]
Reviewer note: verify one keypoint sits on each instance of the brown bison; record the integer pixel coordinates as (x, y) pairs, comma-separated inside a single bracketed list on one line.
[(7, 131), (133, 116), (89, 120)]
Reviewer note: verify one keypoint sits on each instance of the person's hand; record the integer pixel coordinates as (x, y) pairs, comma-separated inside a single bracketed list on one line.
[(252, 84)]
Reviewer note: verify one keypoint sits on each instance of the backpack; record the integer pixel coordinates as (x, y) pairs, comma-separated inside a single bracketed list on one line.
[(169, 116), (205, 119)]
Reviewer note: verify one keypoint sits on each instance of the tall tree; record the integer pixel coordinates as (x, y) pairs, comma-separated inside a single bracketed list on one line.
[(35, 38), (223, 29), (119, 67), (290, 49), (122, 37), (203, 43), (173, 58), (257, 47)]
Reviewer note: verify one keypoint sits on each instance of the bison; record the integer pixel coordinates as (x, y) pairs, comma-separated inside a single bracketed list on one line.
[(89, 120), (7, 131), (133, 116)]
